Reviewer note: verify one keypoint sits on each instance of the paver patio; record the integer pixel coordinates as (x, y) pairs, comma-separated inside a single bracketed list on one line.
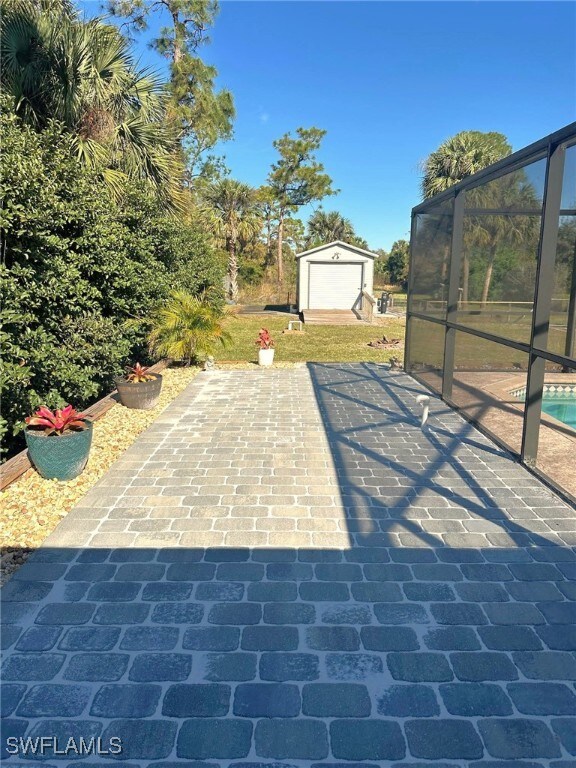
[(285, 570)]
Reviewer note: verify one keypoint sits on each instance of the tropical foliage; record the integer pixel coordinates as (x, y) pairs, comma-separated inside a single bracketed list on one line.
[(459, 156), (264, 340), (186, 328), (233, 214), (55, 66), (328, 226), (138, 374), (57, 422), (202, 116), (397, 262), (501, 246), (80, 273), (488, 236), (456, 158)]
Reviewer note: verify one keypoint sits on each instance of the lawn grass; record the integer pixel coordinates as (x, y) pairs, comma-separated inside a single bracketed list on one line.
[(319, 343), (475, 353)]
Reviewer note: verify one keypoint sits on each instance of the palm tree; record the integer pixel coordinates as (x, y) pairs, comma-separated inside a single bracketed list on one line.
[(234, 213), (460, 156), (456, 158), (82, 75), (186, 328), (489, 233), (327, 226)]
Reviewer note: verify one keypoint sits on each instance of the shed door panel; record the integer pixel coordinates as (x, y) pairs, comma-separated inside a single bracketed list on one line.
[(334, 285)]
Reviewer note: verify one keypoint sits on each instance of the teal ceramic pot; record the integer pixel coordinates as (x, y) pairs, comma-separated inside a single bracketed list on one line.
[(59, 457), (143, 395)]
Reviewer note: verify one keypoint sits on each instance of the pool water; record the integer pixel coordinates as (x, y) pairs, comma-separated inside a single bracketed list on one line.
[(561, 406)]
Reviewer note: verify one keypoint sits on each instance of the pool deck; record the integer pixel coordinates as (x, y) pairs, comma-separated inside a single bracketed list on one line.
[(286, 570), (488, 398)]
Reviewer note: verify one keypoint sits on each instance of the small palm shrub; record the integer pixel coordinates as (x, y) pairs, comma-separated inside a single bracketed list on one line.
[(186, 328)]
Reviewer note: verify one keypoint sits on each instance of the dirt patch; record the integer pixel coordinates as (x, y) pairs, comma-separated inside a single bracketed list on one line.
[(386, 343)]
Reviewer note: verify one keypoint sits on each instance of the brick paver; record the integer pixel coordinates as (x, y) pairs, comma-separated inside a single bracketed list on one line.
[(286, 570)]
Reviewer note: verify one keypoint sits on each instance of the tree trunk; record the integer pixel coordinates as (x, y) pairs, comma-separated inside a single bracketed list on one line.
[(445, 261), (443, 273), (177, 51), (232, 273), (280, 261), (465, 277), (488, 277), (269, 256)]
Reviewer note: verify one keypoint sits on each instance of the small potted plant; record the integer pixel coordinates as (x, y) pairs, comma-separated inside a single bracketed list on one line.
[(139, 388), (58, 442), (265, 345)]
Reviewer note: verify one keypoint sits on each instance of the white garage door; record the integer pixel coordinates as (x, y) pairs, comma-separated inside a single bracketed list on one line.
[(334, 286)]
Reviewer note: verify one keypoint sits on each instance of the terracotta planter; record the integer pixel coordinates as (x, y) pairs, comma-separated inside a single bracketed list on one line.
[(265, 357), (59, 457), (142, 395)]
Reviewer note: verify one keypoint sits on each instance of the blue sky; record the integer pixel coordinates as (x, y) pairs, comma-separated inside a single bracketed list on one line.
[(389, 81)]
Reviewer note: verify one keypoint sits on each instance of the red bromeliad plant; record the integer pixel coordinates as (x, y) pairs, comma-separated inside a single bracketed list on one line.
[(264, 340), (57, 422), (138, 373)]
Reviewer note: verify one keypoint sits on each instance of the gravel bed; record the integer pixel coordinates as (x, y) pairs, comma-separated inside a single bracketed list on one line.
[(32, 507)]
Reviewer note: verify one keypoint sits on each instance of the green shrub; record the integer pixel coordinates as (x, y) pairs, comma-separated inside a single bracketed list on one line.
[(398, 261), (187, 328), (251, 272), (80, 274)]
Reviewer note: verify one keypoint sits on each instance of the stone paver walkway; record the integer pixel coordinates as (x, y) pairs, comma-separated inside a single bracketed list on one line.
[(286, 570)]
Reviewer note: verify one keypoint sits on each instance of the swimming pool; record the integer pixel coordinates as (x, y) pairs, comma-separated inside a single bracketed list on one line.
[(561, 406), (558, 401)]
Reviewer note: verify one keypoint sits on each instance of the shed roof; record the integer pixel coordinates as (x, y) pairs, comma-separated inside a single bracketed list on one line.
[(340, 243)]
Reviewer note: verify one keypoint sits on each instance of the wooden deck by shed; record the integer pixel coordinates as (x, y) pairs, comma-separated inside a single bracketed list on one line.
[(332, 317)]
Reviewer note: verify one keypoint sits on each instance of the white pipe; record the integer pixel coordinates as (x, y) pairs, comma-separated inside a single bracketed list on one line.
[(424, 401)]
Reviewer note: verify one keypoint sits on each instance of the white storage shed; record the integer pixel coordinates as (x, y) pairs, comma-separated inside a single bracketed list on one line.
[(333, 276)]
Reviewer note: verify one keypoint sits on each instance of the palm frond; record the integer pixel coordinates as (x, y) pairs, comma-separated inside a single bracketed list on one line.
[(82, 74), (185, 328)]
